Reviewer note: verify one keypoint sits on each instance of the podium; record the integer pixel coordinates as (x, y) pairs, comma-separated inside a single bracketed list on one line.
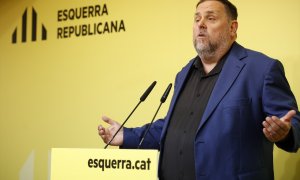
[(103, 164)]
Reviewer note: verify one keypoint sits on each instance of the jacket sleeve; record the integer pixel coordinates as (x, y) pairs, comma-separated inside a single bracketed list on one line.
[(278, 99), (133, 136)]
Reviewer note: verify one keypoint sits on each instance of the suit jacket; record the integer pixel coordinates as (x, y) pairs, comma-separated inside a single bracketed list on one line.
[(230, 143)]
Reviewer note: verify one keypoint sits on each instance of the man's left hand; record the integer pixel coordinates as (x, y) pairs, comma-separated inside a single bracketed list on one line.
[(276, 129)]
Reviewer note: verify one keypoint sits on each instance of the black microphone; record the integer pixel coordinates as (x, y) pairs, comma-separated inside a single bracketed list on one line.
[(147, 92), (142, 98), (162, 100)]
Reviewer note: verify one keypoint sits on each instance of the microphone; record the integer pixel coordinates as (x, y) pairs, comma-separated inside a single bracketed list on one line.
[(162, 100), (142, 98)]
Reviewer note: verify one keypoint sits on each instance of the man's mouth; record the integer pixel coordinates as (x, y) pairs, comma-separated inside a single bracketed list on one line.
[(201, 35)]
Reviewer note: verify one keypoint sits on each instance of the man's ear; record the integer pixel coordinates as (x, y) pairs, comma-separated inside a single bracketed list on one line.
[(233, 28)]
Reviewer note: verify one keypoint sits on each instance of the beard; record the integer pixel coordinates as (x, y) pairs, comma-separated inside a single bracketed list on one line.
[(208, 47), (205, 48)]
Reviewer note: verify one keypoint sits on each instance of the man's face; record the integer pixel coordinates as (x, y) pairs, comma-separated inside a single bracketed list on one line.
[(212, 28)]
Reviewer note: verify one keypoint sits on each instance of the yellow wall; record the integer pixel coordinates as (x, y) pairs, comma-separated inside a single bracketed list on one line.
[(53, 92)]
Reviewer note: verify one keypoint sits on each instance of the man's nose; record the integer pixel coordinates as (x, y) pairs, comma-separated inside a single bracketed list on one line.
[(202, 24)]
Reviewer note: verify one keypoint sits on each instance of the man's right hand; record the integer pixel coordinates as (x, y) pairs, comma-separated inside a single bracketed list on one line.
[(107, 133)]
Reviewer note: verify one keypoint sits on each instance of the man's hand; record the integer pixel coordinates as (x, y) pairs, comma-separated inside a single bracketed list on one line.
[(276, 129), (107, 133)]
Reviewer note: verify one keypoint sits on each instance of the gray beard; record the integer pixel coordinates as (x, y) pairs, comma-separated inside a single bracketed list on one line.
[(212, 48), (206, 51)]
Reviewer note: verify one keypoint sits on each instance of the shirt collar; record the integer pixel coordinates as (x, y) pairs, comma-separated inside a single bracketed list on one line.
[(216, 70)]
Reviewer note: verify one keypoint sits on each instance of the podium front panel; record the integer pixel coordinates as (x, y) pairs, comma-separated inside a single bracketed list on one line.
[(102, 164)]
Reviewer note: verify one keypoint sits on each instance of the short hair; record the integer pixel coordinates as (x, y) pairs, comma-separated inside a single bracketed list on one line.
[(230, 8)]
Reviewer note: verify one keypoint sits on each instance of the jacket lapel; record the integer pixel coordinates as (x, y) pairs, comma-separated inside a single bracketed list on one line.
[(229, 73)]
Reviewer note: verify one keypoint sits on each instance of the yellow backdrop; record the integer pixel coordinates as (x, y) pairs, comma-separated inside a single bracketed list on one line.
[(54, 90)]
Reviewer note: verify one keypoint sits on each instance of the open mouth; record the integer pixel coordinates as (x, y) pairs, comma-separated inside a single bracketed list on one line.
[(201, 35)]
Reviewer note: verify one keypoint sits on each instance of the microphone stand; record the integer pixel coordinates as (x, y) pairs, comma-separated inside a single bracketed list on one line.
[(142, 98), (148, 128), (162, 100)]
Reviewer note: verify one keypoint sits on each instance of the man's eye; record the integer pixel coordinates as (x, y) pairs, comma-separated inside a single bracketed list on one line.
[(197, 18)]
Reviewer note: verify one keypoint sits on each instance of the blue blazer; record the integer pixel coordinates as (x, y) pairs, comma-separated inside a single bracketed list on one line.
[(230, 143)]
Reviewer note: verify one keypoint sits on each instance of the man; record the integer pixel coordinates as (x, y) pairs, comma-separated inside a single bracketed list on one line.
[(230, 105)]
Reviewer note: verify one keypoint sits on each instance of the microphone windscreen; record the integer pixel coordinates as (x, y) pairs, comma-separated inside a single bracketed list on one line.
[(147, 92), (166, 93)]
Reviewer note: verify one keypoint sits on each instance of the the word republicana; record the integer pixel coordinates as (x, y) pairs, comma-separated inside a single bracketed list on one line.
[(91, 29)]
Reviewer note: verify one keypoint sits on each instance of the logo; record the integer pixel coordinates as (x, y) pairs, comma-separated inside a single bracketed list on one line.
[(34, 27)]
